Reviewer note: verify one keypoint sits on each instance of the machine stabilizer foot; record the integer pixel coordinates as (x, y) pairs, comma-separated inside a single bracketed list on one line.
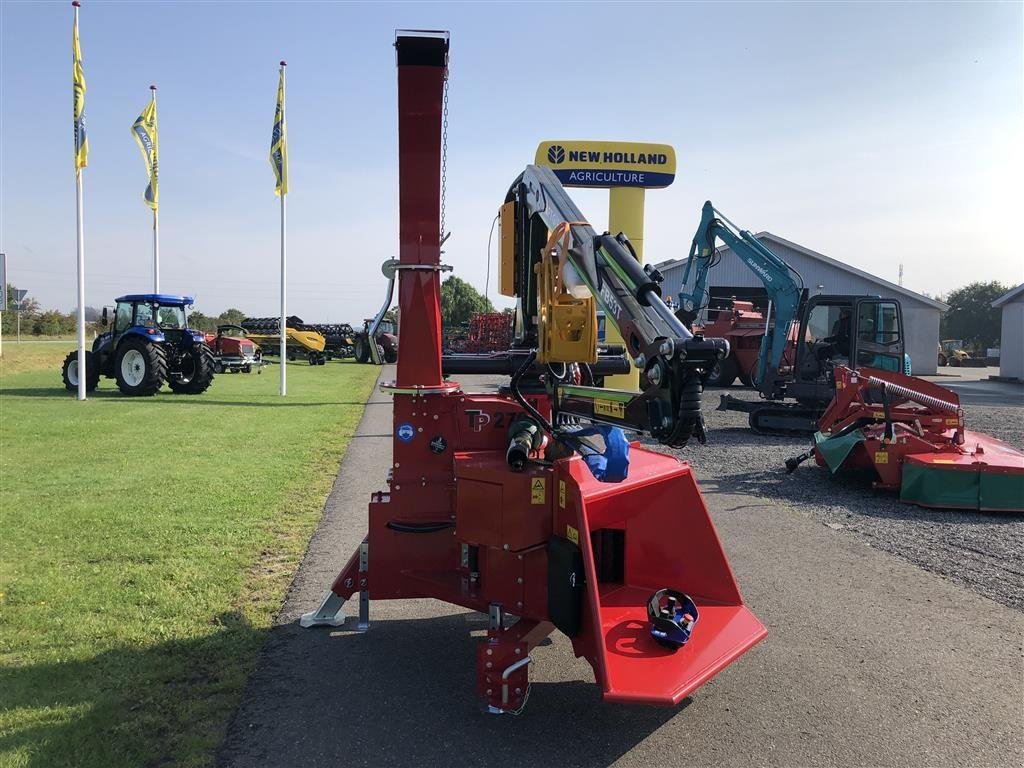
[(329, 614)]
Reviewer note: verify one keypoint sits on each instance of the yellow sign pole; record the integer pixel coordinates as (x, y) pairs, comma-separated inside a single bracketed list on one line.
[(626, 169), (626, 215)]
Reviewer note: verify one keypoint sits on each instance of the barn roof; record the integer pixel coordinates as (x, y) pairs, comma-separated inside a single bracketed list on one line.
[(896, 289), (1011, 295)]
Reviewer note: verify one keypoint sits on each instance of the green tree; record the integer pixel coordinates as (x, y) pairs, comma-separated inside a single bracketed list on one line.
[(231, 316), (460, 301), (201, 322), (971, 316)]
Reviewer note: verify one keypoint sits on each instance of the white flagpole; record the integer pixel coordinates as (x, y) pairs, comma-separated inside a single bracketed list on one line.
[(156, 230), (82, 370), (284, 277), (80, 247), (284, 282)]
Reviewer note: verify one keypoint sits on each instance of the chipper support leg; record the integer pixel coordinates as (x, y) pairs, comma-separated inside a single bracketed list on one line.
[(330, 612)]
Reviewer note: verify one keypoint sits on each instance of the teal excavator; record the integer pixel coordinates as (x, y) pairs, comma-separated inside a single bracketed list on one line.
[(805, 337)]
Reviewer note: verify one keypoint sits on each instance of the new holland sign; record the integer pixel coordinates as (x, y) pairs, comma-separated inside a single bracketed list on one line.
[(609, 163)]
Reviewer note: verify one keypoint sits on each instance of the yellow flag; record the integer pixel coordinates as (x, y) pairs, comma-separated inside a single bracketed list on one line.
[(145, 133), (279, 142), (78, 89)]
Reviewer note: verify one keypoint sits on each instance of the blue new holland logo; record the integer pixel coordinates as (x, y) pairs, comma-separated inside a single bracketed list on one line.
[(405, 432), (556, 154)]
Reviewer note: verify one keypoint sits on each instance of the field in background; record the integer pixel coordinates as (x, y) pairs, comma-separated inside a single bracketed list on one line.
[(145, 545)]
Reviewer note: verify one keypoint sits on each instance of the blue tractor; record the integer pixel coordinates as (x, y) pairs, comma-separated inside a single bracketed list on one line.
[(148, 344)]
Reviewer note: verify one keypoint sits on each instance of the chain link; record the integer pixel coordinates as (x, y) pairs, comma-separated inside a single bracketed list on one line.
[(444, 151)]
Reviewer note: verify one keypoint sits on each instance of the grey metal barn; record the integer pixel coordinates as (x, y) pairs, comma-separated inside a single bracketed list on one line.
[(822, 274), (1011, 345)]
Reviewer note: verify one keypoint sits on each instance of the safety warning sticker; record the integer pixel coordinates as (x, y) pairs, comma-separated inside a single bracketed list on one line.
[(572, 535), (538, 490)]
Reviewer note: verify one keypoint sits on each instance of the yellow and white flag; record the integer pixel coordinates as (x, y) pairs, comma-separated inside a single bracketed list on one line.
[(78, 89), (279, 142), (145, 133)]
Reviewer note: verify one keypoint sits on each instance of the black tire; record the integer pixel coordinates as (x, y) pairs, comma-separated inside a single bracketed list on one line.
[(390, 355), (322, 359), (312, 358), (218, 366), (955, 361), (69, 372), (291, 356), (724, 373), (362, 350), (147, 361), (199, 374), (246, 369)]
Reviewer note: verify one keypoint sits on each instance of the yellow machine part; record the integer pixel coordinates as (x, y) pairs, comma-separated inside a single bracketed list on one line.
[(507, 249), (566, 325)]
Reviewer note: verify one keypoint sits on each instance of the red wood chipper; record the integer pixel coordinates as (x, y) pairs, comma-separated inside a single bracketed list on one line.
[(911, 433), (493, 500)]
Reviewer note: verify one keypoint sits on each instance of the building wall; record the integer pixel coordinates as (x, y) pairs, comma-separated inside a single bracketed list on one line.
[(1011, 345), (920, 320)]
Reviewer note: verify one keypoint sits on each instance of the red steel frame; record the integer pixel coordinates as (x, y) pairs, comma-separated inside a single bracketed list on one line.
[(459, 525)]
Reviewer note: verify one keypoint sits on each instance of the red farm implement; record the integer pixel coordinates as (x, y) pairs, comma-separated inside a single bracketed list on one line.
[(477, 514), (911, 433)]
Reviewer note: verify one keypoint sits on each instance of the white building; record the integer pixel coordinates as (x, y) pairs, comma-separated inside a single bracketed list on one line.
[(1011, 343), (821, 274)]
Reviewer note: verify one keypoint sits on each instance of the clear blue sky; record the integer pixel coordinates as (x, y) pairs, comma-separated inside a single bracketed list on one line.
[(875, 133)]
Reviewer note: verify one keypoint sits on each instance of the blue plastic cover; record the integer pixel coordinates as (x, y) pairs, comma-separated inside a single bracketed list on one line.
[(612, 466)]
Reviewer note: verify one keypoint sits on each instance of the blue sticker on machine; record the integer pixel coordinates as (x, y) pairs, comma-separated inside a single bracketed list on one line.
[(405, 432)]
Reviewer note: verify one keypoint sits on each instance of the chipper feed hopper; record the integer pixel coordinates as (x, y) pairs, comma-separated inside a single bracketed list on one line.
[(492, 504), (911, 434)]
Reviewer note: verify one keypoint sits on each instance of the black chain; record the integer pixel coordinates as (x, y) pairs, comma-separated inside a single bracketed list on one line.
[(444, 152)]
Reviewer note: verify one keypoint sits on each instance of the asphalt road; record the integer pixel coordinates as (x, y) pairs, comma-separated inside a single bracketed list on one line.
[(869, 661), (974, 386)]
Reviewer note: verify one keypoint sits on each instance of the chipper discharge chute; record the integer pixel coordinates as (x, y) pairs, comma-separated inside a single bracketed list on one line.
[(500, 502), (911, 433)]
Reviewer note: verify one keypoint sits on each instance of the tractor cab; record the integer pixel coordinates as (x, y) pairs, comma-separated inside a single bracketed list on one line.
[(852, 331)]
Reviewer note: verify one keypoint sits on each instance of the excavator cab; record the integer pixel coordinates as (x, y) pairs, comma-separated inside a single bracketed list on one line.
[(853, 331)]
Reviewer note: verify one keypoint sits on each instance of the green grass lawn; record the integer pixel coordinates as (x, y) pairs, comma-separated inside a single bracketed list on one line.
[(145, 546)]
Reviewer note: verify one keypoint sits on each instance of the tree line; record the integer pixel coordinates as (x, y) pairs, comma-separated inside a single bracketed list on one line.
[(35, 321), (970, 316)]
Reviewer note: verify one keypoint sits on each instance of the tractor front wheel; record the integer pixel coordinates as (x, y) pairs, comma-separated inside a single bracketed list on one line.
[(196, 372), (390, 355), (141, 367), (69, 372)]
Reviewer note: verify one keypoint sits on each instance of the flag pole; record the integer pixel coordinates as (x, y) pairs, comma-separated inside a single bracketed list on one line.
[(156, 229), (284, 275), (80, 248)]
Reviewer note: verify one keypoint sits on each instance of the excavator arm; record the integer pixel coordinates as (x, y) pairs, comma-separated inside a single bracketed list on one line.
[(562, 266), (782, 284)]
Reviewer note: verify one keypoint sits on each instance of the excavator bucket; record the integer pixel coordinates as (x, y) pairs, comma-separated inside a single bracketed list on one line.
[(650, 532)]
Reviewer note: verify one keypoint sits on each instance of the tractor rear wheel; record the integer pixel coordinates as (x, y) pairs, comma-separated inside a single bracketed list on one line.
[(69, 372), (196, 372), (141, 367), (724, 373), (362, 350)]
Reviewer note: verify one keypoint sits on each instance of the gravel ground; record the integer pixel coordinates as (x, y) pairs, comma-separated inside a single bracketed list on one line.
[(983, 552)]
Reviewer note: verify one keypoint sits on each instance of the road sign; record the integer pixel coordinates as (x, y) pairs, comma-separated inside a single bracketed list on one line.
[(19, 296)]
